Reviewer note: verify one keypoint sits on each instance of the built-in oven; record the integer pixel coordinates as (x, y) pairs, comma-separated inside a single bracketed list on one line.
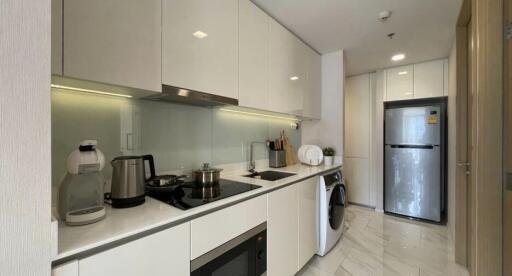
[(245, 255)]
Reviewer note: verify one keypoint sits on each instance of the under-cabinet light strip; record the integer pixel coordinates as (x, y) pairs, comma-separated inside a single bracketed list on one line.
[(89, 91), (260, 115)]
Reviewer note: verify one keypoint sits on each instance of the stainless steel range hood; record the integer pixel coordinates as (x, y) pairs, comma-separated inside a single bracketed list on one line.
[(190, 97)]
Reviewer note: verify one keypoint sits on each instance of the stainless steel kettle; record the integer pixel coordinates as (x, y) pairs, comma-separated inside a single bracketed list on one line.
[(128, 180)]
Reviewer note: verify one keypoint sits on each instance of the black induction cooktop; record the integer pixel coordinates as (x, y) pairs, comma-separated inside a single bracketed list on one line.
[(188, 194)]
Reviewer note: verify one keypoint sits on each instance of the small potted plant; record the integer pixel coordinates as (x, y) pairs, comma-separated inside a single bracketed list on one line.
[(328, 155)]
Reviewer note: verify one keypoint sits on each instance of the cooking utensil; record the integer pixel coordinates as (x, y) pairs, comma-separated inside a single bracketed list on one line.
[(207, 176), (164, 183)]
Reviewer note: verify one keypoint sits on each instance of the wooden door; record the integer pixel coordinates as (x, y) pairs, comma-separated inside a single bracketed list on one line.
[(470, 123), (507, 141)]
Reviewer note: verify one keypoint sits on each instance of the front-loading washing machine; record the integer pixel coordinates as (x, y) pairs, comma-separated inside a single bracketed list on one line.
[(332, 202)]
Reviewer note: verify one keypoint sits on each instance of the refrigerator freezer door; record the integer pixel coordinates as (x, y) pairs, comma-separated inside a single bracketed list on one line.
[(412, 178), (413, 126)]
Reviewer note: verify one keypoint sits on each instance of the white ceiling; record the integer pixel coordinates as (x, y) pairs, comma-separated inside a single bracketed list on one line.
[(425, 29)]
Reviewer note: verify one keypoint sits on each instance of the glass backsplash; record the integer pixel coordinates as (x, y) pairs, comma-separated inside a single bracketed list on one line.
[(178, 136)]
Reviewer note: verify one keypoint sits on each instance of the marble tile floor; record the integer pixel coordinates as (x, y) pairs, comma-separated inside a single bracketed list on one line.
[(383, 245)]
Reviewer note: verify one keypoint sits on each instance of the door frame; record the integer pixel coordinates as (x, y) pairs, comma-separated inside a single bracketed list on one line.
[(507, 131), (487, 168), (461, 186)]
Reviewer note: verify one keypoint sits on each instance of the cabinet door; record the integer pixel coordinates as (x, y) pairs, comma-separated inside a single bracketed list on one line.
[(254, 56), (207, 233), (114, 41), (312, 107), (429, 79), (67, 269), (358, 180), (282, 232), (358, 116), (161, 254), (286, 73), (57, 37), (399, 83), (200, 46), (308, 234)]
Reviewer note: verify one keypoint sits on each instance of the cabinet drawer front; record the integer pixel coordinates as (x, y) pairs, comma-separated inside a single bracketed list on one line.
[(210, 231), (160, 254)]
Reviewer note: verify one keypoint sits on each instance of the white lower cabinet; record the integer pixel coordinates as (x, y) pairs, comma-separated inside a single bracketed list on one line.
[(161, 254), (282, 232), (308, 230), (358, 180), (67, 269), (212, 230)]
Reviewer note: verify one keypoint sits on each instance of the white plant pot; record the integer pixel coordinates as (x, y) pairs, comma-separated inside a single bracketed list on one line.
[(328, 160)]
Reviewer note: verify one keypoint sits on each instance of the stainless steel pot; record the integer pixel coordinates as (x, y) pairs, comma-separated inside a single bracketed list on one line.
[(207, 176)]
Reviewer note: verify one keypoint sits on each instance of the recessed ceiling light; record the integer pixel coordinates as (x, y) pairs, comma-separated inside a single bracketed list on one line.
[(294, 78), (398, 57), (402, 73), (200, 34)]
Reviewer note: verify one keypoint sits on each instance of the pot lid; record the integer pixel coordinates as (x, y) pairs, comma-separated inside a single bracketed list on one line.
[(207, 169)]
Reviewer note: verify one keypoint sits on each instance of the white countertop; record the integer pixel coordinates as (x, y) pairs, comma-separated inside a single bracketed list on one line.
[(121, 224)]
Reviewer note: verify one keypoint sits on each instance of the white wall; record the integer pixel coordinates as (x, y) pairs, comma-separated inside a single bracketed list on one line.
[(329, 130), (452, 138), (25, 157)]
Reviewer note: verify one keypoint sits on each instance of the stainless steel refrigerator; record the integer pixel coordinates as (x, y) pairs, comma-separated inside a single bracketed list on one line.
[(415, 160)]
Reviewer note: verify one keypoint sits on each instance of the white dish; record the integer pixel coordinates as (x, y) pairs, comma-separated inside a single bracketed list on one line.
[(300, 153), (311, 155)]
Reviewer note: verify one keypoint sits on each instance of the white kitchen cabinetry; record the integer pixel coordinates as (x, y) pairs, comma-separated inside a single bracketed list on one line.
[(67, 269), (253, 56), (312, 97), (399, 83), (286, 71), (200, 45), (115, 42), (160, 254), (212, 230), (308, 234), (357, 175), (282, 232), (358, 114), (429, 79)]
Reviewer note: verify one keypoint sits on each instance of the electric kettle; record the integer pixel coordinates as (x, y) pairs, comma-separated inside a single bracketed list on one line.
[(129, 179)]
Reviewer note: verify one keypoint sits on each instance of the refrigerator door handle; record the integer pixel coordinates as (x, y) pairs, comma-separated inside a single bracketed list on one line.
[(412, 146)]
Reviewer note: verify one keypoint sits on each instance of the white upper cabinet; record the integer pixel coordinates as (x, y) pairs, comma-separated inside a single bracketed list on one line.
[(253, 56), (161, 254), (312, 97), (200, 45), (115, 42), (429, 79), (286, 73), (399, 83)]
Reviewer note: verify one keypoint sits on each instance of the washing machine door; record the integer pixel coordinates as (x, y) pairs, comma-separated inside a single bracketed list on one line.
[(337, 206)]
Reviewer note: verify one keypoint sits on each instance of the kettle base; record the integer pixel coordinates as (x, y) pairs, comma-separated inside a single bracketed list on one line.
[(128, 202)]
